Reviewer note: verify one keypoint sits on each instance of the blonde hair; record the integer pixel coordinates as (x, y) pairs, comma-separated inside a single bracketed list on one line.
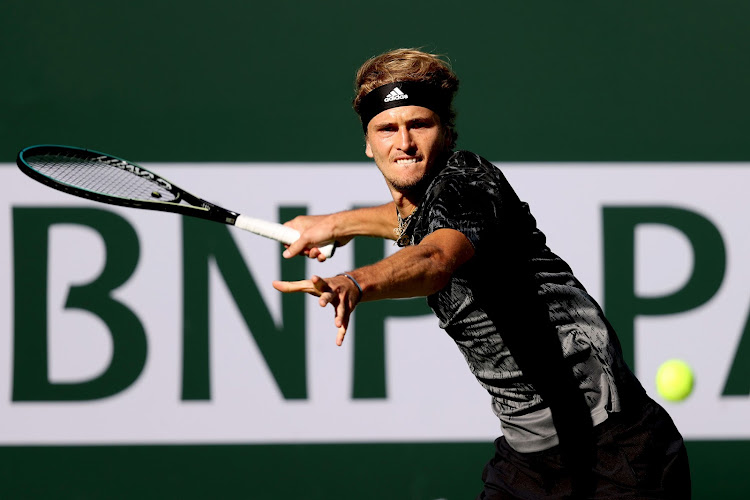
[(409, 65)]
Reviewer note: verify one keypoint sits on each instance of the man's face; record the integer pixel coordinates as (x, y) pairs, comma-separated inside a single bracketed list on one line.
[(405, 143)]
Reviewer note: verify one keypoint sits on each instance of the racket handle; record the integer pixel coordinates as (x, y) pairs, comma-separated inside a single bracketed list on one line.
[(275, 231)]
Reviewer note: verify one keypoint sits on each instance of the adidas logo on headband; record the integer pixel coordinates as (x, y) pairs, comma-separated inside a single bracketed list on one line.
[(408, 93), (395, 95)]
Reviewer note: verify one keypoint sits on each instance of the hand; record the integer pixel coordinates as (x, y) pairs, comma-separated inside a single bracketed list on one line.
[(339, 291), (315, 231)]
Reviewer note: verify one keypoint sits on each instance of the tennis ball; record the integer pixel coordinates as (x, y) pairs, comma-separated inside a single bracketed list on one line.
[(674, 380)]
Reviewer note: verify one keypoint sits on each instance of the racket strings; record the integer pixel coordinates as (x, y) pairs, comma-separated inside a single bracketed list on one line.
[(100, 177)]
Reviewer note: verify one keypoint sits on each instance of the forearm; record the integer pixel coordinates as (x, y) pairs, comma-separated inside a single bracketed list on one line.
[(376, 221), (340, 227), (415, 271)]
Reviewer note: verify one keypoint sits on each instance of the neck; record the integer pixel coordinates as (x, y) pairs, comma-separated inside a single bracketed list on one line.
[(404, 204)]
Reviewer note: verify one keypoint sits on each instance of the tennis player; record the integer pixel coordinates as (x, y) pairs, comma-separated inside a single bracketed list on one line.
[(575, 421)]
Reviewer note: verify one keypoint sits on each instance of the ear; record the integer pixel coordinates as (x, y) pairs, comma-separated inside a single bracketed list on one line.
[(368, 148)]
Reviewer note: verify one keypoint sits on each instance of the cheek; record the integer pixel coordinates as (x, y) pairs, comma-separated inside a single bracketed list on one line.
[(379, 150)]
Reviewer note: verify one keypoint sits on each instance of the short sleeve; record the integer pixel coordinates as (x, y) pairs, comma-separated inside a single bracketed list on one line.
[(461, 203)]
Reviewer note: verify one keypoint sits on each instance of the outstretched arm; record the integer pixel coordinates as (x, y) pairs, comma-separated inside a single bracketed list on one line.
[(341, 227), (414, 271)]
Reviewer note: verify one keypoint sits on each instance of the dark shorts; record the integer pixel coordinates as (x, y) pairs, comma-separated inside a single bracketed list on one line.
[(641, 455)]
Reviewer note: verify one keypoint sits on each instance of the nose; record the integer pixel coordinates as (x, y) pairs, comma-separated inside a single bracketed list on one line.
[(405, 139)]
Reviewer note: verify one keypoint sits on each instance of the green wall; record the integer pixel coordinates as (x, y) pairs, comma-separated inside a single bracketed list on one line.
[(310, 472), (272, 81)]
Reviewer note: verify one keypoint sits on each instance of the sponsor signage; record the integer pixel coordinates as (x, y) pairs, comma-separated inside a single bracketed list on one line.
[(129, 326)]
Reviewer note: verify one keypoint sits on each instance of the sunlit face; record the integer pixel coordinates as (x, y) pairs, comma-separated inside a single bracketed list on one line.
[(405, 143)]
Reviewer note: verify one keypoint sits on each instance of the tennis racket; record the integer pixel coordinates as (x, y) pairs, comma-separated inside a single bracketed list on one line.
[(108, 179)]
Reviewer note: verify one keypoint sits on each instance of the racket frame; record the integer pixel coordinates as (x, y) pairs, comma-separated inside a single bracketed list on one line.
[(195, 207)]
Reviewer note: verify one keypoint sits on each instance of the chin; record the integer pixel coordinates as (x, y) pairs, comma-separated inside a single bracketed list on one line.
[(409, 185)]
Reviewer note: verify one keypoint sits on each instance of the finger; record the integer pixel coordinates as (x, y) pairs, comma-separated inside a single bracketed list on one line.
[(320, 284), (305, 286), (322, 290), (321, 256), (326, 298), (314, 253), (305, 251), (294, 249), (342, 314), (340, 336)]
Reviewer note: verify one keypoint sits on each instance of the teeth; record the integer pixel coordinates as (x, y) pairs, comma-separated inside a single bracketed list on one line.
[(407, 161)]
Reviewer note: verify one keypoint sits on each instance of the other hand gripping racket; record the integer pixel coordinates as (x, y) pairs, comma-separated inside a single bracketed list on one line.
[(108, 179)]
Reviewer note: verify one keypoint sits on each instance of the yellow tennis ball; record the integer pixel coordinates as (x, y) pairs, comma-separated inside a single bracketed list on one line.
[(674, 380)]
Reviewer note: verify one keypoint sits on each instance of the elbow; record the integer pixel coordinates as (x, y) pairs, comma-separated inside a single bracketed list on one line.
[(447, 250), (440, 281), (443, 268)]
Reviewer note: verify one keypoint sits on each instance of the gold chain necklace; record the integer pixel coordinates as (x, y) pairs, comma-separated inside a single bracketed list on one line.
[(403, 224)]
